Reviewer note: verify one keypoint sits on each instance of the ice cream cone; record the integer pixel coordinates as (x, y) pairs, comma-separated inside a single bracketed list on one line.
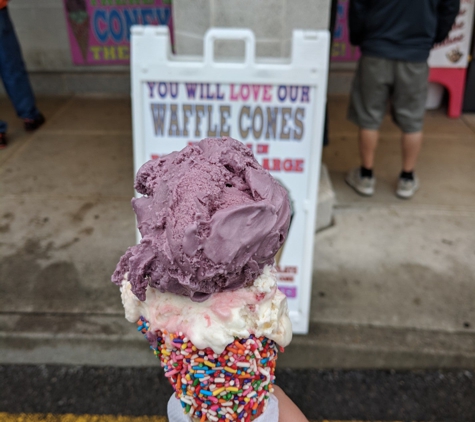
[(81, 33), (78, 18), (201, 283), (238, 382)]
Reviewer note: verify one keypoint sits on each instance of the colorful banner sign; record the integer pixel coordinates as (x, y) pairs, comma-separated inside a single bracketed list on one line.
[(342, 50), (455, 49), (276, 109), (99, 30)]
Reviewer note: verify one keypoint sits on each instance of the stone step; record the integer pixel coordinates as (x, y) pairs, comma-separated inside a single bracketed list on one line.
[(109, 340)]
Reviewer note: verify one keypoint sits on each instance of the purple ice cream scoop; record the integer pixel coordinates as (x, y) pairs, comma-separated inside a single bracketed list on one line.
[(211, 218)]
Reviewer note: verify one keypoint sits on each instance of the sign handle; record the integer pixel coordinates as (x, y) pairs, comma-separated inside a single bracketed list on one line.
[(245, 35)]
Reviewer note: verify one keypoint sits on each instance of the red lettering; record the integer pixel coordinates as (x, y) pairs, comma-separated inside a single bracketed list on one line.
[(266, 96), (288, 165), (234, 96), (289, 269), (245, 92), (262, 148), (255, 92)]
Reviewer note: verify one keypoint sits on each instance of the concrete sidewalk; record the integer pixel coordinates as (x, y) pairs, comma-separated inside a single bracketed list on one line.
[(394, 281)]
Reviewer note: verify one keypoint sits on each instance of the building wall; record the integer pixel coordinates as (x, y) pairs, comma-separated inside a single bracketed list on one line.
[(271, 20), (41, 29)]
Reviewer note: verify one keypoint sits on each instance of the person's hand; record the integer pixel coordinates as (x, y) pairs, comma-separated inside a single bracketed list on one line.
[(288, 411)]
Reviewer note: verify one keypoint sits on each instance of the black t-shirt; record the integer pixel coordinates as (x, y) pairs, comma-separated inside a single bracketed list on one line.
[(400, 29)]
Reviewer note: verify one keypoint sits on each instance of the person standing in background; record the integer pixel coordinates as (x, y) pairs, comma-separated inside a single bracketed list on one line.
[(15, 78), (395, 38)]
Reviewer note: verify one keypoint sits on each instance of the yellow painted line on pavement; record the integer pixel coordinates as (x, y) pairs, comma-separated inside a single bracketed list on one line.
[(69, 417)]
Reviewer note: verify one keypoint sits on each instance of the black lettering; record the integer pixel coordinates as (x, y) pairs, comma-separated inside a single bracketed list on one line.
[(214, 131), (200, 112), (158, 113), (255, 131), (286, 111), (245, 111), (298, 132), (173, 89), (272, 122), (186, 115), (174, 128), (225, 112)]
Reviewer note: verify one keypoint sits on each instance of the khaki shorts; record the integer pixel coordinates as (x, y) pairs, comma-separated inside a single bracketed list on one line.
[(403, 84)]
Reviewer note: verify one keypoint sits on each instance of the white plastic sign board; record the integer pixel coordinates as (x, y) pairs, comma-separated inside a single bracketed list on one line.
[(455, 49), (275, 107)]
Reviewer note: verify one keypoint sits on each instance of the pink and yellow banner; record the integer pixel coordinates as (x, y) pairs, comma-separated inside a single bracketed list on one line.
[(342, 50), (99, 30)]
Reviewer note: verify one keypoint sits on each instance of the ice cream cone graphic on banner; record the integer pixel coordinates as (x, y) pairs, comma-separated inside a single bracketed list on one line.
[(79, 23)]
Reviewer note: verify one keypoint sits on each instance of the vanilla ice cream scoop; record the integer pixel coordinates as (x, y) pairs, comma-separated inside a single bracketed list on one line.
[(260, 309)]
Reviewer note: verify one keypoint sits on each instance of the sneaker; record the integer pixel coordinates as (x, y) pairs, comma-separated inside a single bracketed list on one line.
[(33, 124), (3, 140), (362, 185), (406, 188)]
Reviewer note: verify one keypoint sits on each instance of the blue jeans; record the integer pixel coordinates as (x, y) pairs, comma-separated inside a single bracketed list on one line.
[(13, 72)]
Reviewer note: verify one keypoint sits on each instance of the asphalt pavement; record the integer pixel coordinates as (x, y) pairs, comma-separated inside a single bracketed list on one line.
[(321, 394)]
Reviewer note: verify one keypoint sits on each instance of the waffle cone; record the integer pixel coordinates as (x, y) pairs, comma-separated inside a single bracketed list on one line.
[(278, 255), (238, 381)]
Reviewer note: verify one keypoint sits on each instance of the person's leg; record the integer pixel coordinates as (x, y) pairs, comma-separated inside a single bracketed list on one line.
[(13, 71), (361, 179), (369, 95), (410, 94), (411, 147), (3, 125), (408, 182), (3, 136), (368, 141)]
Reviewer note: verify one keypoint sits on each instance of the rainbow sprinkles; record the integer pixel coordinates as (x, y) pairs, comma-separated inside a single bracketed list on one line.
[(232, 386)]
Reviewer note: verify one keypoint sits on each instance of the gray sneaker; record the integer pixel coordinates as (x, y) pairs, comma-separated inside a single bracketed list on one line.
[(362, 185), (407, 188)]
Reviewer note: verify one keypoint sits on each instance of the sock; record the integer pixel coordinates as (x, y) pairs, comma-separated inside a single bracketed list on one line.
[(408, 175), (364, 172)]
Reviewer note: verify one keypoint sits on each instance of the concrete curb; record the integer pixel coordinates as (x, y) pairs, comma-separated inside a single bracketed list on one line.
[(109, 340)]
